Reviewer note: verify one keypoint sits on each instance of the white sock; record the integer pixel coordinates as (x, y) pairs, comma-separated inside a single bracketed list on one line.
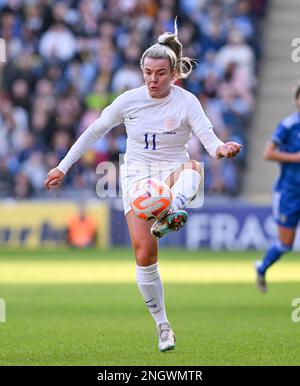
[(151, 288), (185, 188)]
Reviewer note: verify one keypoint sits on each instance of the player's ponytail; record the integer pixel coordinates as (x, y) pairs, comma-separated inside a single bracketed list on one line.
[(169, 47)]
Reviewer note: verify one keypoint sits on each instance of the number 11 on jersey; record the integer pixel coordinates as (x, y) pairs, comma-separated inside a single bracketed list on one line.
[(153, 136)]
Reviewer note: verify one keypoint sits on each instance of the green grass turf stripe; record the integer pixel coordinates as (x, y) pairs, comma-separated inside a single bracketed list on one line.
[(108, 324)]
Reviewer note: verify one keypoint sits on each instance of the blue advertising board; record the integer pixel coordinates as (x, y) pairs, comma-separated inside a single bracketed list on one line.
[(224, 227)]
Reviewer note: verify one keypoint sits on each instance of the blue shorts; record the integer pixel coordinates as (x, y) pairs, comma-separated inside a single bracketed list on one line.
[(286, 208)]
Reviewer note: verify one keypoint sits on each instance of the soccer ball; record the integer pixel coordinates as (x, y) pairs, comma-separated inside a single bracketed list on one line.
[(151, 199)]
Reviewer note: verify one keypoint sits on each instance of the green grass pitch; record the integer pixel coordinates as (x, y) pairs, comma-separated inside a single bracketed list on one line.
[(70, 307)]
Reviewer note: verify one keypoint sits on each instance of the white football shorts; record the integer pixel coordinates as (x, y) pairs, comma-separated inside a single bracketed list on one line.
[(131, 175)]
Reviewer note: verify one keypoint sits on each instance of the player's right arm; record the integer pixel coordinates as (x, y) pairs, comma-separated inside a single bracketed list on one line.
[(274, 150), (110, 117), (273, 153), (54, 178)]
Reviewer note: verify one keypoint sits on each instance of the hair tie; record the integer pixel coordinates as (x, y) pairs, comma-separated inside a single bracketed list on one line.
[(161, 39)]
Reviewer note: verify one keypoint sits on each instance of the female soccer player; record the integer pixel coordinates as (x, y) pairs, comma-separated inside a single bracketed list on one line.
[(159, 117), (284, 148)]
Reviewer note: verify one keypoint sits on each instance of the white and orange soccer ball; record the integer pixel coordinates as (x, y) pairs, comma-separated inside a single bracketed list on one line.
[(151, 199)]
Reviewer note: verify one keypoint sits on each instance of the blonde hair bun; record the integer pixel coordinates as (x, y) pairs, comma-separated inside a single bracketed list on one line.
[(165, 37)]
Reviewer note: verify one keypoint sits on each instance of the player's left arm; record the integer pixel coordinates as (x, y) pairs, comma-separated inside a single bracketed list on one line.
[(228, 150), (203, 129)]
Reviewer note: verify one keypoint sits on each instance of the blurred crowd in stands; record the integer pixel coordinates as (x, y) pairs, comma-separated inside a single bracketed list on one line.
[(67, 60)]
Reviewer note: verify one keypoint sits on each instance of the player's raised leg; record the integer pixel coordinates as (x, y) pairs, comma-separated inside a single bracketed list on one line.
[(148, 277), (185, 183)]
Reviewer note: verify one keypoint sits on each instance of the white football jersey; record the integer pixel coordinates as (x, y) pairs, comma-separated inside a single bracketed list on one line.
[(158, 130)]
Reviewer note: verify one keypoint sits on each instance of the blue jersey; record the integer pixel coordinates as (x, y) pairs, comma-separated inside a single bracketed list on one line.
[(287, 138)]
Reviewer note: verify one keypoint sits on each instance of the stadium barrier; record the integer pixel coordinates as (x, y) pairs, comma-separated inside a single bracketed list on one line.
[(43, 223), (218, 227)]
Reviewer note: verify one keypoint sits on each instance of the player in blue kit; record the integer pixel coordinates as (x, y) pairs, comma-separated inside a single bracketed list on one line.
[(284, 148)]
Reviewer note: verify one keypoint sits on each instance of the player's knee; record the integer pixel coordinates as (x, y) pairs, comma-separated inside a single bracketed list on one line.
[(145, 255), (144, 259), (194, 165), (283, 248)]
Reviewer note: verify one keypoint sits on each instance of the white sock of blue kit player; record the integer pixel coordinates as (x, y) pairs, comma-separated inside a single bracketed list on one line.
[(185, 188), (151, 288)]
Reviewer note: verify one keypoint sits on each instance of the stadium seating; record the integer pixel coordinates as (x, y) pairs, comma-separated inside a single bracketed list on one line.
[(67, 60)]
